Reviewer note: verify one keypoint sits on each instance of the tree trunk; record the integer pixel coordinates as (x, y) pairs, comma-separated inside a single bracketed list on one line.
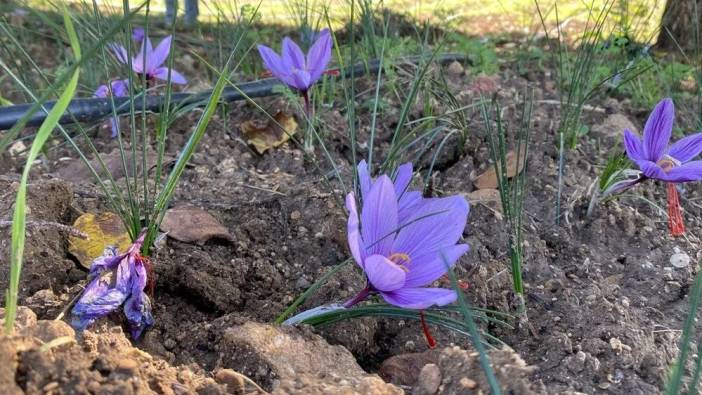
[(680, 27)]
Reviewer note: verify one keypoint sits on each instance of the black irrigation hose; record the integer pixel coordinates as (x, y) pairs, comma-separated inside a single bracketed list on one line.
[(90, 109)]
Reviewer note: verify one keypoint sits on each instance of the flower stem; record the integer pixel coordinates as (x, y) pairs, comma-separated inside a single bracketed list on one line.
[(309, 114), (361, 296), (676, 223)]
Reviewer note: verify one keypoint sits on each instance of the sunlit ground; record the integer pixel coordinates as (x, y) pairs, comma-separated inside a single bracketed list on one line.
[(639, 17)]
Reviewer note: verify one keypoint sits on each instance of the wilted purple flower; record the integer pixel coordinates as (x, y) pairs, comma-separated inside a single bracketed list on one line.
[(120, 88), (293, 68), (401, 256), (116, 280), (655, 158), (149, 61)]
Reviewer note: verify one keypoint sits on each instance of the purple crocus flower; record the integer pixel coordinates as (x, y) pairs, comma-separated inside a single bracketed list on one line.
[(403, 252), (120, 88), (149, 61), (116, 280), (655, 158), (292, 67)]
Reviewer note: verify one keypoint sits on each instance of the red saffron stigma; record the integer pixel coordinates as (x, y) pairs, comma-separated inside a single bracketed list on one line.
[(332, 72), (425, 329), (266, 74), (676, 223)]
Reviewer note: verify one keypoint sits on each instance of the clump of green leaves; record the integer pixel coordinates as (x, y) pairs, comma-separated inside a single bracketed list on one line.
[(512, 190)]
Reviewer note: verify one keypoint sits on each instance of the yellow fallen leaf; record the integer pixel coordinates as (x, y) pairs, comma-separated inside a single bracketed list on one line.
[(270, 135), (488, 179), (103, 230)]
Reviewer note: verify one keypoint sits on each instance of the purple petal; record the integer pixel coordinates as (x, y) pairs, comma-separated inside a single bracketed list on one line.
[(101, 91), (140, 63), (690, 171), (160, 54), (114, 127), (364, 179), (162, 74), (107, 261), (633, 146), (98, 300), (405, 206), (403, 179), (651, 170), (384, 274), (138, 311), (138, 34), (379, 218), (319, 55), (434, 224), (119, 51), (419, 298), (292, 54), (301, 79), (120, 88), (278, 66), (427, 268), (138, 307), (686, 148), (353, 231), (657, 131)]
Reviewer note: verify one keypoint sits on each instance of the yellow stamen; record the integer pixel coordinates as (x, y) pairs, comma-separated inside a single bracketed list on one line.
[(400, 259), (667, 163)]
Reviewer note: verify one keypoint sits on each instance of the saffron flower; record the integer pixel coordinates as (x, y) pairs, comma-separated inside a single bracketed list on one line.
[(149, 61), (403, 251), (655, 158), (295, 69), (116, 280), (120, 88)]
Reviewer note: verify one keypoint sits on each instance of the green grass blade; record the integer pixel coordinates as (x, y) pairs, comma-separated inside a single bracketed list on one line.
[(19, 217)]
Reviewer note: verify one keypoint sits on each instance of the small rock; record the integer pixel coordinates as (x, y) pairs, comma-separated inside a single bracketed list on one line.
[(404, 369), (429, 380), (295, 215), (233, 380), (169, 344), (127, 366), (456, 69), (47, 331), (679, 259), (468, 383)]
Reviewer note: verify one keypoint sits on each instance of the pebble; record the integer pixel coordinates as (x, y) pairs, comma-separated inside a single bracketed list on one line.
[(429, 380), (679, 259), (233, 380), (468, 383)]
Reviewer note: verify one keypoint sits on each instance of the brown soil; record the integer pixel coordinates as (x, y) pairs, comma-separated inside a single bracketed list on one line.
[(604, 304)]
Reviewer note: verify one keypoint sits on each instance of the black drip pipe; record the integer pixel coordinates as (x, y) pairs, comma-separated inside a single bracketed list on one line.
[(90, 109)]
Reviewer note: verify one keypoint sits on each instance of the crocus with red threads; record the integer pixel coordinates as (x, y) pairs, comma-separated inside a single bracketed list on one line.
[(657, 159), (402, 252)]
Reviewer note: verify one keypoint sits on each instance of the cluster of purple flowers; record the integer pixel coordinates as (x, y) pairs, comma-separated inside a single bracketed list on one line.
[(148, 62), (402, 241)]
